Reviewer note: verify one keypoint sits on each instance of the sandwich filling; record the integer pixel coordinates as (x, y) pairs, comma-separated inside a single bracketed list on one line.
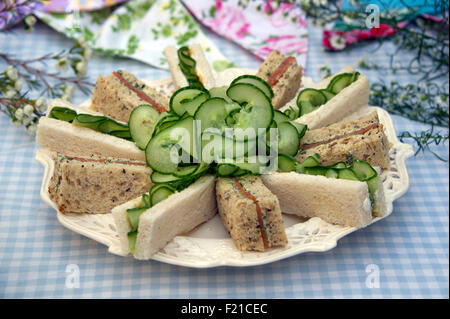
[(358, 132), (240, 188), (139, 92), (280, 70)]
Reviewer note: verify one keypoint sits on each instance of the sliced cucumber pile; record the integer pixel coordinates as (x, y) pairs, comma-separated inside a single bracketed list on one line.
[(98, 123), (309, 100), (211, 121)]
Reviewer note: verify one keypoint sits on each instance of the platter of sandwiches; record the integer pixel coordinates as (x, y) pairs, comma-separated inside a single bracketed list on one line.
[(237, 168)]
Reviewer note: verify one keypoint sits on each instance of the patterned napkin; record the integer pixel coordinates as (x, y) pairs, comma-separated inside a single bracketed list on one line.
[(345, 33), (139, 29), (258, 26)]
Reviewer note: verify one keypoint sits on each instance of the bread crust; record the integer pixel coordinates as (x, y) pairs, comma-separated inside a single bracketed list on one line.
[(287, 86), (116, 101), (371, 146), (240, 217)]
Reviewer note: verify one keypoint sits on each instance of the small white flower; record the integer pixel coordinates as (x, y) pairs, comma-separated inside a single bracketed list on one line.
[(28, 109), (87, 53), (11, 93), (81, 68), (62, 64), (31, 129), (16, 122), (30, 20), (18, 85), (27, 120), (40, 102), (12, 73), (19, 114), (337, 42)]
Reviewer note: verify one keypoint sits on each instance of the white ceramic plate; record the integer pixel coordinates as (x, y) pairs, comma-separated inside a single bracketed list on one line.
[(209, 245)]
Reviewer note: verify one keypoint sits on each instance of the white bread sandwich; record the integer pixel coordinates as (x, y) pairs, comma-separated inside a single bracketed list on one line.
[(178, 214), (95, 185), (70, 139), (119, 93), (283, 75), (336, 201), (363, 139), (251, 213), (189, 67), (332, 99)]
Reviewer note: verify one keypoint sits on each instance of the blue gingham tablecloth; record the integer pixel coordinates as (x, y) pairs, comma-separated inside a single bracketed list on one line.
[(39, 257)]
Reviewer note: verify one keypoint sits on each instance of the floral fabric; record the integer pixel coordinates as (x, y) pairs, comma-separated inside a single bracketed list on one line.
[(139, 29), (258, 26)]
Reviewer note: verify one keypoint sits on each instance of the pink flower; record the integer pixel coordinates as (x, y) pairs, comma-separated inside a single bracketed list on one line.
[(229, 21), (277, 19), (286, 44)]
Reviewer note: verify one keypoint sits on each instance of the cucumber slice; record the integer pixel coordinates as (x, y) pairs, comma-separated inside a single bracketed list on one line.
[(363, 170), (216, 147), (187, 100), (225, 170), (301, 128), (158, 178), (122, 134), (286, 163), (331, 173), (310, 161), (255, 165), (280, 117), (62, 113), (346, 173), (142, 124), (240, 172), (146, 200), (220, 92), (288, 139), (329, 95), (90, 121), (159, 193), (309, 100), (160, 153), (339, 82), (133, 216), (292, 113), (212, 113), (257, 111), (132, 240), (339, 165), (109, 126), (256, 81), (318, 170)]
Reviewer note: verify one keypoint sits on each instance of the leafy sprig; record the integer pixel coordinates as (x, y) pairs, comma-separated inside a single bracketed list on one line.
[(24, 79), (425, 139)]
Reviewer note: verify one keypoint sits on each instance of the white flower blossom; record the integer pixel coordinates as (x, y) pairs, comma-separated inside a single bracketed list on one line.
[(30, 20), (81, 68), (40, 102), (337, 42), (28, 109), (16, 122), (12, 73), (62, 64), (18, 85), (11, 93), (31, 129), (19, 114), (87, 53), (27, 120)]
